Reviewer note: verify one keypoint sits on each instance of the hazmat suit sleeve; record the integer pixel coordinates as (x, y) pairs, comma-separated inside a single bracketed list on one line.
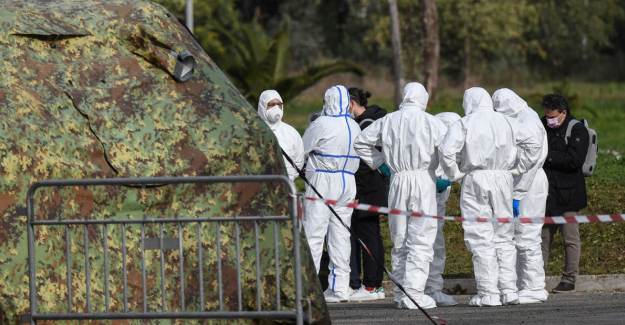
[(441, 131), (299, 155), (452, 145), (528, 154), (296, 151), (523, 182), (312, 137), (365, 144)]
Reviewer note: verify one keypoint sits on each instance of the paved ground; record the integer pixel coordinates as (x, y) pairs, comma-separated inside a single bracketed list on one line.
[(576, 308)]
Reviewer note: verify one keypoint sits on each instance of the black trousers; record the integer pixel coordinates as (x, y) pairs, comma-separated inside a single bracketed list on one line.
[(366, 226)]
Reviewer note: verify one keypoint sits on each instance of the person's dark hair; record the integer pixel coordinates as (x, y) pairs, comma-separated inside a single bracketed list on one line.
[(554, 102), (359, 96)]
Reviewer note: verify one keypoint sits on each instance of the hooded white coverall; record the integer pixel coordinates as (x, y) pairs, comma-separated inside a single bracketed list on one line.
[(492, 148), (409, 138), (288, 138), (435, 282), (531, 190), (332, 162)]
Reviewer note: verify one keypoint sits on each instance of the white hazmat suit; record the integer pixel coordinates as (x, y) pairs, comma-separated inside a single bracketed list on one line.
[(435, 282), (531, 190), (328, 142), (289, 139), (409, 138), (491, 148)]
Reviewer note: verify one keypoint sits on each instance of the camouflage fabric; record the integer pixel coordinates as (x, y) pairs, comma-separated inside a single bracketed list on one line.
[(87, 90)]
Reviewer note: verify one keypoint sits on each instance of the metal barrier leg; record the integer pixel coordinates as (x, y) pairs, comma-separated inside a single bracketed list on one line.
[(297, 252)]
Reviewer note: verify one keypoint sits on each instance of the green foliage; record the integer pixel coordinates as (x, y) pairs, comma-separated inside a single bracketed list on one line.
[(571, 32), (474, 33), (206, 15), (480, 40), (250, 56), (256, 61)]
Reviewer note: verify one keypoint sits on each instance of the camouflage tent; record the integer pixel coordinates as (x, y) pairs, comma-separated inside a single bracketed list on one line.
[(94, 89)]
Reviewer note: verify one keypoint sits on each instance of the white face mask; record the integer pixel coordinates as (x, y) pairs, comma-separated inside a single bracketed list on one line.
[(553, 122), (274, 114)]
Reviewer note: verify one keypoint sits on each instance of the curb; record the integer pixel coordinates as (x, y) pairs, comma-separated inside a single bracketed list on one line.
[(584, 283)]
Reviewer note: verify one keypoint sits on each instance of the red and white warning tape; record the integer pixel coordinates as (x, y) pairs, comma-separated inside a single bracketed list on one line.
[(605, 218)]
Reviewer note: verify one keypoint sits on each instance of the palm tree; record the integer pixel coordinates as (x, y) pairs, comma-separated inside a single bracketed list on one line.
[(256, 61)]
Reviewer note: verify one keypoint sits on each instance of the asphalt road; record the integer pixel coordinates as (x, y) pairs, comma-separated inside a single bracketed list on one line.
[(574, 308)]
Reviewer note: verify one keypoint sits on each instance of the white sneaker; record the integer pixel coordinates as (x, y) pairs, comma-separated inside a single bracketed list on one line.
[(362, 294), (510, 298), (443, 299), (335, 296), (380, 292), (425, 301), (485, 301), (533, 296)]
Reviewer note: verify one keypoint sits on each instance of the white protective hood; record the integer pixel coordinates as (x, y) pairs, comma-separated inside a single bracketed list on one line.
[(508, 102), (448, 118), (336, 102), (265, 97), (414, 96), (476, 98)]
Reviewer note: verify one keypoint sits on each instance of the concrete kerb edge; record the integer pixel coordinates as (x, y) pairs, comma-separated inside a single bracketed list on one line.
[(584, 283)]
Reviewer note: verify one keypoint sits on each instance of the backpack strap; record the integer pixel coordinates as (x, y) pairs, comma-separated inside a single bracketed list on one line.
[(569, 129), (369, 120)]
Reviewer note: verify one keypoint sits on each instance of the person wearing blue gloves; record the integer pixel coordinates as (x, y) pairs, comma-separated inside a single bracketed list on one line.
[(434, 284), (530, 198), (409, 138), (486, 149)]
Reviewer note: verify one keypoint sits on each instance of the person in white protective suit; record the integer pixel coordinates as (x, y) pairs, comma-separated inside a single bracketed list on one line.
[(530, 191), (491, 148), (270, 110), (434, 284), (331, 165), (409, 138)]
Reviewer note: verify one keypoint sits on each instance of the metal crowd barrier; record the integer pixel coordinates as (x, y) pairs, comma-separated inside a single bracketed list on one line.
[(160, 243)]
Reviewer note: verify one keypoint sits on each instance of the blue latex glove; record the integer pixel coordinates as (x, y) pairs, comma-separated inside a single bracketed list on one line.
[(515, 208), (442, 184), (385, 170)]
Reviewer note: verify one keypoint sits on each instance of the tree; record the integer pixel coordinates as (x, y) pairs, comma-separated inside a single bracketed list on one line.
[(431, 45), (396, 43), (256, 61), (206, 14), (477, 33), (252, 58), (573, 32)]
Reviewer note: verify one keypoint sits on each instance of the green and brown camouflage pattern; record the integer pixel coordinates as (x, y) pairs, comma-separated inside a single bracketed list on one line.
[(87, 91)]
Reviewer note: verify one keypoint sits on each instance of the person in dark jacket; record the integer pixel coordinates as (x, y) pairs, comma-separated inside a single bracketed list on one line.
[(371, 188), (567, 186)]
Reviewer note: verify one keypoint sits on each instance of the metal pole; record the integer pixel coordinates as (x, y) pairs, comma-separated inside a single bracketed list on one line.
[(32, 276), (188, 14), (299, 311)]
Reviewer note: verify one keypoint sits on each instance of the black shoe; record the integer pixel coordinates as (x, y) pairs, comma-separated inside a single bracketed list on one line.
[(564, 287)]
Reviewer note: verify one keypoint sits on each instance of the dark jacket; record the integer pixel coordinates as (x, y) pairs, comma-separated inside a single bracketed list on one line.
[(371, 185), (563, 166)]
